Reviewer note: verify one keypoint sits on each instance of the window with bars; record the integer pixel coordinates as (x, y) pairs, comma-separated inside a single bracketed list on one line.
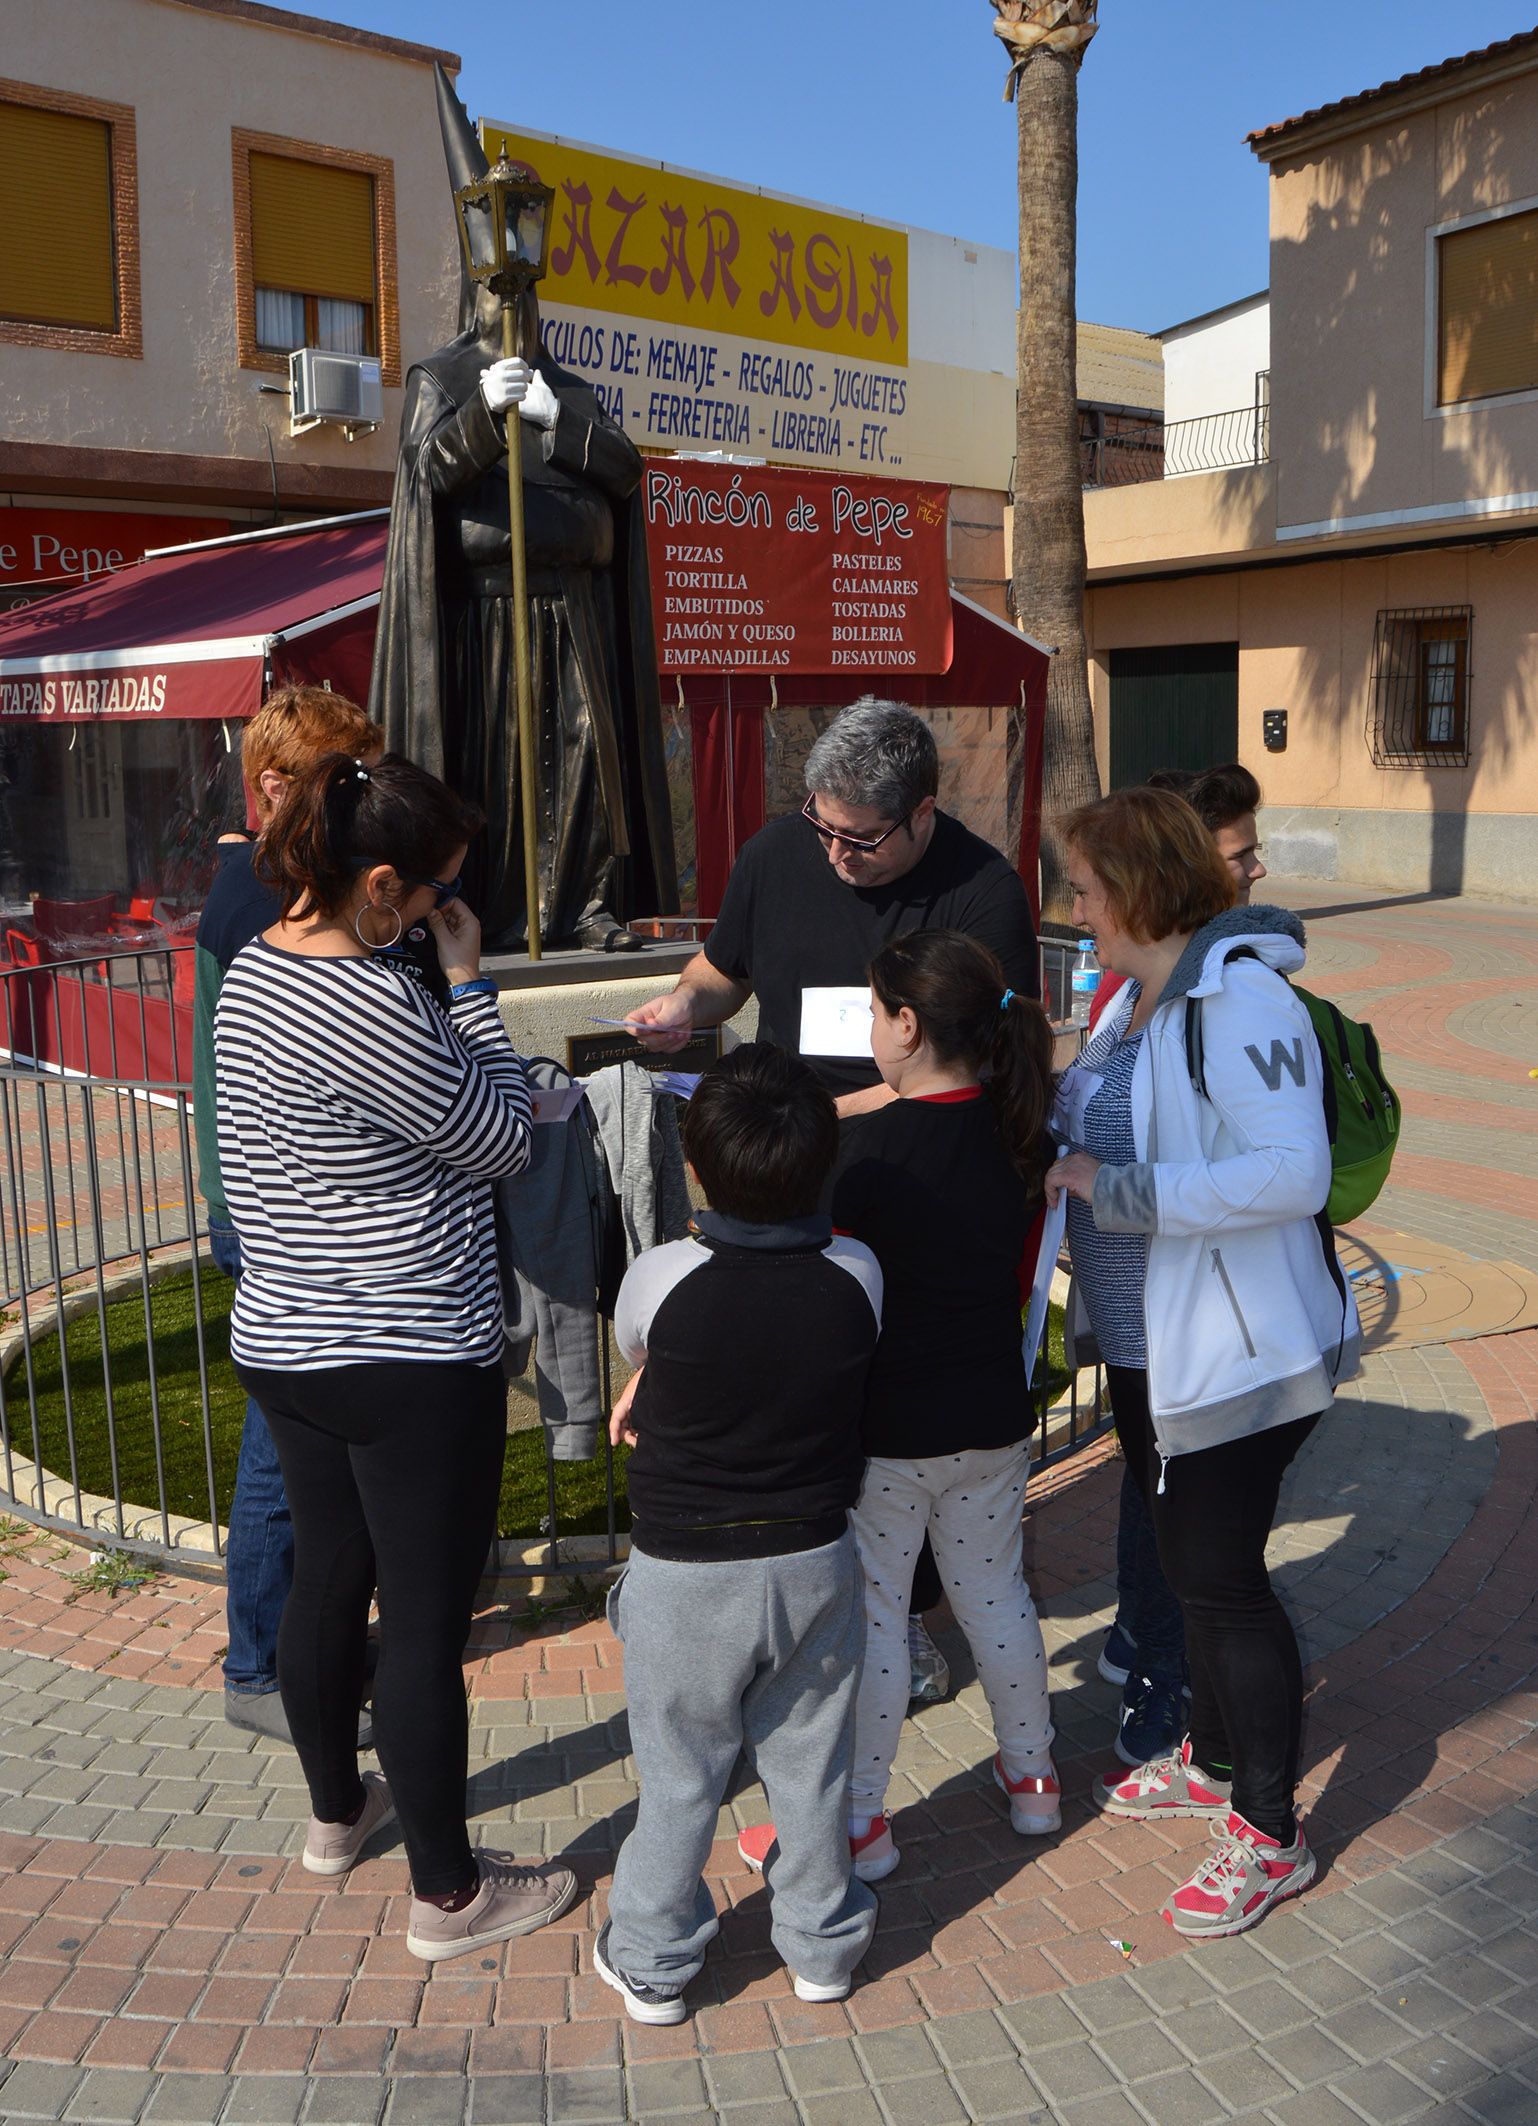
[(1418, 699)]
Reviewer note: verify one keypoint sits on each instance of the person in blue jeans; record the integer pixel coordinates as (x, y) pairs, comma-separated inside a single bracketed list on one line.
[(294, 727)]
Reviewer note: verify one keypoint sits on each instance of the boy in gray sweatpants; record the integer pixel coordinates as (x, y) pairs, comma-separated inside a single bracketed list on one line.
[(742, 1612)]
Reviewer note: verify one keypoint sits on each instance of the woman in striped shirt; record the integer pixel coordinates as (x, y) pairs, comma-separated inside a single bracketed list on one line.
[(360, 1129)]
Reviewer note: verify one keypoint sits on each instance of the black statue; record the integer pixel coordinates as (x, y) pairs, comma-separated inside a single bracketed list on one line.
[(442, 678)]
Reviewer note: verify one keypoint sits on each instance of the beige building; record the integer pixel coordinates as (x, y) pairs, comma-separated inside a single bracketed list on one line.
[(194, 187), (1344, 594)]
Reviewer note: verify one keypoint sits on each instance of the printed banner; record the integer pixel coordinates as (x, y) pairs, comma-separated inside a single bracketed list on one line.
[(41, 550), (772, 569), (709, 316)]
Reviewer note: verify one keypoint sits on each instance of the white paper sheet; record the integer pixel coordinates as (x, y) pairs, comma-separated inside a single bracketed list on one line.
[(1041, 1285), (557, 1103), (836, 1022), (1075, 1089)]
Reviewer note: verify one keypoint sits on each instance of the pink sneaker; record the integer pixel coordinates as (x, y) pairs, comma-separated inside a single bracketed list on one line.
[(333, 1848), (872, 1857), (1035, 1804), (1166, 1786), (1244, 1875)]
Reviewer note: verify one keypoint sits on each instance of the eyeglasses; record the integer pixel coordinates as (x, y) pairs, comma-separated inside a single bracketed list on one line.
[(851, 841), (444, 889)]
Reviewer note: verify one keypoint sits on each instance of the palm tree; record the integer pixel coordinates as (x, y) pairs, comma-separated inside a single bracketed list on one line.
[(1046, 44)]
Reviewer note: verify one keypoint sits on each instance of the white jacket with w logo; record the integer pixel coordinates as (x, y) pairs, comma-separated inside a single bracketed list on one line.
[(1250, 1321)]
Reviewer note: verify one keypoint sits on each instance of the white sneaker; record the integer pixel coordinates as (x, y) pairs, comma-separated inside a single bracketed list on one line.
[(807, 1991), (929, 1672)]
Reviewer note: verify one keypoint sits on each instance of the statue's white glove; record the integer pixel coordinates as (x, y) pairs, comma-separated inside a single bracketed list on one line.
[(505, 383), (539, 404)]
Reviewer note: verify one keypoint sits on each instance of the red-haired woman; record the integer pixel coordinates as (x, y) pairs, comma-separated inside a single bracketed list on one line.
[(1214, 1297)]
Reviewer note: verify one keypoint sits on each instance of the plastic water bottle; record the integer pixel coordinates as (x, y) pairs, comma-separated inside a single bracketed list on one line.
[(1084, 982)]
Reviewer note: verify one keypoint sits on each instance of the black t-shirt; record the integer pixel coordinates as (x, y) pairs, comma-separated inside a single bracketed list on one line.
[(788, 922), (927, 1186)]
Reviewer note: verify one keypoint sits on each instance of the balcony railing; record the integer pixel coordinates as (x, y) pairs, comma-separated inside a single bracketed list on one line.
[(1209, 442)]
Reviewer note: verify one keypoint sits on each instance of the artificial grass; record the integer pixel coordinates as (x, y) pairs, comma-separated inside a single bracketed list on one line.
[(524, 1508)]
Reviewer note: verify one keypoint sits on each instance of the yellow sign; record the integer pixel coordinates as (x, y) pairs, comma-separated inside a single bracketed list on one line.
[(643, 241)]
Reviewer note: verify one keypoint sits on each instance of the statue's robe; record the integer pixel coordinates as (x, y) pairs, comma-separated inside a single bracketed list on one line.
[(442, 682)]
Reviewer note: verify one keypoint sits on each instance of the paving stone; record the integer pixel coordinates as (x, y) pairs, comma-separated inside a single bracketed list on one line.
[(1245, 2080), (1442, 2066), (1108, 2003), (1179, 1983), (427, 2100), (1495, 2038), (927, 2100), (1070, 2071), (1365, 2031), (594, 2097), (1310, 2107), (1507, 2100), (506, 2100), (755, 2078), (109, 2095), (783, 2114), (830, 2063), (961, 2039), (1207, 2031), (266, 2100), (1112, 2110), (845, 2107), (1045, 2019), (1382, 2094), (1307, 2056), (996, 2089), (667, 2086), (896, 2054), (33, 2091), (353, 2100), (1179, 2099), (197, 2099)]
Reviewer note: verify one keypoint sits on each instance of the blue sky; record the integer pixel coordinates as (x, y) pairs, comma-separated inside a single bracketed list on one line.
[(896, 109)]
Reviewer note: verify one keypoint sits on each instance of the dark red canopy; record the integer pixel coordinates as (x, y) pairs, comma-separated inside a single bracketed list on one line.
[(201, 630)]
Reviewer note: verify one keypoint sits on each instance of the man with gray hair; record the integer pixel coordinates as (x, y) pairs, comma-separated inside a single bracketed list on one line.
[(814, 897), (809, 904), (811, 900)]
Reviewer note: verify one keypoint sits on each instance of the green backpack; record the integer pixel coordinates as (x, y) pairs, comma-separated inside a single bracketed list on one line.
[(1361, 1108)]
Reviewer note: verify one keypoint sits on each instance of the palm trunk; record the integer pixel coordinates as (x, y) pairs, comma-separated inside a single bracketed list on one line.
[(1049, 563)]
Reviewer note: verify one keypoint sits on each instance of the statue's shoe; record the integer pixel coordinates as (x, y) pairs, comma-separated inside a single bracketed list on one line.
[(602, 932)]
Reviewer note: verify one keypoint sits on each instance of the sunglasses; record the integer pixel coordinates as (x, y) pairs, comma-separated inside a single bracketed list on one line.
[(864, 842), (444, 889)]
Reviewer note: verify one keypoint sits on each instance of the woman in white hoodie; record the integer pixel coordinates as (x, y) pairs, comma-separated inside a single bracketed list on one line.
[(1195, 1190)]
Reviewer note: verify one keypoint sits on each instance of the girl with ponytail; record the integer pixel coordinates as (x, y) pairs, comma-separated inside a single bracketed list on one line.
[(944, 1185)]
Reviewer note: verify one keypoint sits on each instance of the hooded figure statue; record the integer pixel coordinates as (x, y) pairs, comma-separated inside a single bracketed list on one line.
[(442, 683)]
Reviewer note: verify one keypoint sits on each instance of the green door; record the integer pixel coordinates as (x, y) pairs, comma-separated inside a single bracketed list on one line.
[(1173, 708)]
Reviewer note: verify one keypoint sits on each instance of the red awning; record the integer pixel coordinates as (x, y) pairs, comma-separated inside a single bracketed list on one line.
[(200, 630)]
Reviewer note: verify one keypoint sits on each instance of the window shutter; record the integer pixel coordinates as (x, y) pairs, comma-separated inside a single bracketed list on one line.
[(56, 262), (312, 228), (1489, 309)]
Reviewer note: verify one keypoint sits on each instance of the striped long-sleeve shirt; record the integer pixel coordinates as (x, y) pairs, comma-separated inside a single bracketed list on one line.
[(359, 1132)]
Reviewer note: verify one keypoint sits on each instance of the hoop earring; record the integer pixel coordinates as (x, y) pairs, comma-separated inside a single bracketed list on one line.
[(369, 943)]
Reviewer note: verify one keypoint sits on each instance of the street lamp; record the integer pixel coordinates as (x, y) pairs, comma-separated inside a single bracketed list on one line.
[(503, 219)]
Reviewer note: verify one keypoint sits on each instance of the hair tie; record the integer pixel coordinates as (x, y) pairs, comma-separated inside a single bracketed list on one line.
[(1006, 1000), (363, 774)]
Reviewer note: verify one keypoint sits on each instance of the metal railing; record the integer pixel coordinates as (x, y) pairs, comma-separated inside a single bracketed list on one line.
[(99, 1213), (1207, 442)]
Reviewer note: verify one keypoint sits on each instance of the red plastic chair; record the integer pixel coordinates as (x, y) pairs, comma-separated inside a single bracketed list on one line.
[(22, 950)]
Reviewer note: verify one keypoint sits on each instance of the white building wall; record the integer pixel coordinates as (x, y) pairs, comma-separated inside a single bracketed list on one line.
[(1211, 363)]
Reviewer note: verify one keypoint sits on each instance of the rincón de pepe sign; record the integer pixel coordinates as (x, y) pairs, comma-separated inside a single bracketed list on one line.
[(774, 569)]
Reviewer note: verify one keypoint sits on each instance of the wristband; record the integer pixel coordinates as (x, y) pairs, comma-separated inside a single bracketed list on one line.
[(482, 986)]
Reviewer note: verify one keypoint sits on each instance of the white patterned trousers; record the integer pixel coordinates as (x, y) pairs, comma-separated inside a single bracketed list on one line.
[(971, 1504)]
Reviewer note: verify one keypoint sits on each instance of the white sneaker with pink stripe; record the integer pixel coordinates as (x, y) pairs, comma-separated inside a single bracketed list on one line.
[(1244, 1875)]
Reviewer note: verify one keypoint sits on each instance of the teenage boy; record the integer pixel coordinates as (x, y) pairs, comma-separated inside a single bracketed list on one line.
[(293, 727), (741, 1612)]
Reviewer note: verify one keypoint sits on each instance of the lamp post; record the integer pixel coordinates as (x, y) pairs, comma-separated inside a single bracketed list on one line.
[(502, 223)]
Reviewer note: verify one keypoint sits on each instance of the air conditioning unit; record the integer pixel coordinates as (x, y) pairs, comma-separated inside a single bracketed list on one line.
[(340, 389)]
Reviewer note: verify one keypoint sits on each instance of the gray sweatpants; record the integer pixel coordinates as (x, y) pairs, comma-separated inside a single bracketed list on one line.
[(762, 1655)]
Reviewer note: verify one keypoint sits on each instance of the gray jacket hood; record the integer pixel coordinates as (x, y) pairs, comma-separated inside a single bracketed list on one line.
[(1274, 935)]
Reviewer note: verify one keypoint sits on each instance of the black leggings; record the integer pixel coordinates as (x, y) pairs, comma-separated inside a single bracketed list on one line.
[(1212, 1520), (393, 1473)]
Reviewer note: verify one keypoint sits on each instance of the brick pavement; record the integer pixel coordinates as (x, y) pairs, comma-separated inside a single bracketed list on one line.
[(166, 1958)]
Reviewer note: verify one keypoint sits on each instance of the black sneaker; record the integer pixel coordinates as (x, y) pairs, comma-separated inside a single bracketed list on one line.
[(1118, 1654), (643, 2003), (1153, 1720)]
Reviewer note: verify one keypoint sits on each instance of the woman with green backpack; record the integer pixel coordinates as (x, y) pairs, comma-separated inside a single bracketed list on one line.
[(1210, 1285)]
